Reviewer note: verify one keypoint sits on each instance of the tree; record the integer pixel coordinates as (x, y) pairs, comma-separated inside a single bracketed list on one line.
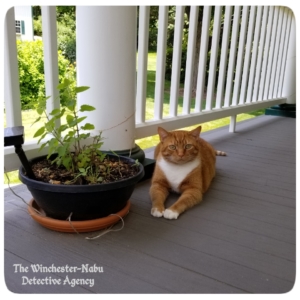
[(198, 43)]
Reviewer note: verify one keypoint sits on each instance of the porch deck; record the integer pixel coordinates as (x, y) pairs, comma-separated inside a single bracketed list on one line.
[(240, 239)]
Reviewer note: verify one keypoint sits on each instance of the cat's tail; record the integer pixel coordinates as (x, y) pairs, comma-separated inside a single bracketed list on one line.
[(220, 153)]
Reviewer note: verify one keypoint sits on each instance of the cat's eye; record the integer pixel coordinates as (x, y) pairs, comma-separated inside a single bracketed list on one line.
[(188, 146), (172, 147)]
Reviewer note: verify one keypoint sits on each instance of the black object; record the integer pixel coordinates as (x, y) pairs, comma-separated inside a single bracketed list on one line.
[(282, 110), (85, 202), (14, 136)]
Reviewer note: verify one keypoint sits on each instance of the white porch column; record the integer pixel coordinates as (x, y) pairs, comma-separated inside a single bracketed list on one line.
[(106, 62), (50, 57), (11, 73), (289, 83)]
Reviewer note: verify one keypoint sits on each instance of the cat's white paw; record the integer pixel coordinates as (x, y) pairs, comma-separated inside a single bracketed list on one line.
[(170, 214), (156, 213)]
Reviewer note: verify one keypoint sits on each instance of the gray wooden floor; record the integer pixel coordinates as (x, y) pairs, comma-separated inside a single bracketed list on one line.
[(240, 239)]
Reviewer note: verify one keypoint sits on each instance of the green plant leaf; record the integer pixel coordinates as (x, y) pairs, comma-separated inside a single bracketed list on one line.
[(67, 161), (65, 84), (42, 137), (80, 89), (62, 128), (80, 120), (55, 112), (84, 136), (39, 132), (69, 119), (71, 104), (50, 125), (43, 146), (86, 107), (40, 110), (36, 120), (62, 150), (88, 126)]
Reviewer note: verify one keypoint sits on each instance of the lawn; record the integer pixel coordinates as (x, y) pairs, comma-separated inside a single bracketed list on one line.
[(29, 116)]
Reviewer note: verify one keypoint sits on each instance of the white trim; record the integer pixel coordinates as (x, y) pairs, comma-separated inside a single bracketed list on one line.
[(213, 58), (11, 73), (176, 60), (190, 60), (160, 62), (202, 58), (150, 128), (50, 57), (224, 56), (141, 87)]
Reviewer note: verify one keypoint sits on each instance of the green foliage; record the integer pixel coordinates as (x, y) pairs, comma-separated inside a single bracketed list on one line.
[(66, 34), (37, 26), (66, 29), (31, 71), (67, 139), (169, 58)]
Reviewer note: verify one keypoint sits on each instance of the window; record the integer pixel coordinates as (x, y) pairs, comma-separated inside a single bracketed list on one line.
[(20, 27)]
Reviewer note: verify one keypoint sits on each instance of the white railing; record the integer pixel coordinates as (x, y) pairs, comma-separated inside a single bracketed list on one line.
[(249, 49), (247, 75)]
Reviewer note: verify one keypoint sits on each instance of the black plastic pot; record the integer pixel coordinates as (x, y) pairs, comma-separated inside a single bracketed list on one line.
[(85, 202)]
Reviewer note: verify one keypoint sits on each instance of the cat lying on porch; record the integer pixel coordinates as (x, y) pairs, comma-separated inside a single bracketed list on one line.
[(185, 164)]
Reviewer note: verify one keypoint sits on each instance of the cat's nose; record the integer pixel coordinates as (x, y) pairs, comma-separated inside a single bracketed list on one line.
[(180, 154)]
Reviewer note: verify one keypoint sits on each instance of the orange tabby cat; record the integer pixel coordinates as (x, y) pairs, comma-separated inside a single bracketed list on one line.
[(185, 163)]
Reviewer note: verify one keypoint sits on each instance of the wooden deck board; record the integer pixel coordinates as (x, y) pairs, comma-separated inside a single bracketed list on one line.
[(240, 239)]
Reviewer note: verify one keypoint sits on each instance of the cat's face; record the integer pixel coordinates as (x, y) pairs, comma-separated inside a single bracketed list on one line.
[(179, 147)]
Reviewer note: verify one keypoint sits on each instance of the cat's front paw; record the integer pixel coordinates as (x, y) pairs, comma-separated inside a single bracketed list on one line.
[(170, 214), (156, 213)]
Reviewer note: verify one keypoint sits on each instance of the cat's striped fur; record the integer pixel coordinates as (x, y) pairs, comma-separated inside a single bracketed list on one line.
[(185, 164)]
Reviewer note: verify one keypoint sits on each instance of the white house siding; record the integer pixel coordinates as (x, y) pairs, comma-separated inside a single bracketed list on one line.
[(24, 13)]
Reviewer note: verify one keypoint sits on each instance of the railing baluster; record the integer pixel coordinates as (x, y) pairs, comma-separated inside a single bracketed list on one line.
[(275, 57), (189, 70), (260, 54), (50, 57), (160, 62), (266, 49), (277, 31), (213, 58), (11, 73), (280, 51), (202, 58), (232, 53), (254, 54), (247, 55), (176, 60), (239, 67), (285, 51), (224, 56), (141, 88)]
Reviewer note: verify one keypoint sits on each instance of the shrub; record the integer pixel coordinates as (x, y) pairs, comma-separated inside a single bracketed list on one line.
[(169, 57), (31, 71)]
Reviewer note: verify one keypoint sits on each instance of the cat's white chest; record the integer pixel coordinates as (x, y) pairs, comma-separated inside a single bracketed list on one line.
[(174, 173)]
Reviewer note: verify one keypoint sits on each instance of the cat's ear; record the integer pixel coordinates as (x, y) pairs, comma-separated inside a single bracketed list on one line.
[(162, 133), (196, 132)]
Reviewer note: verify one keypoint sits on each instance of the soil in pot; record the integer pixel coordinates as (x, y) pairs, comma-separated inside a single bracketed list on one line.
[(112, 169), (83, 201)]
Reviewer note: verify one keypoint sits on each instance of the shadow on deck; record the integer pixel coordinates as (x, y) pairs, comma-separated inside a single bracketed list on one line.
[(240, 239)]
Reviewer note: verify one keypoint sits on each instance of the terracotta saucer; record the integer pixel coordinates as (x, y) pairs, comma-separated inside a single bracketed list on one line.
[(80, 226)]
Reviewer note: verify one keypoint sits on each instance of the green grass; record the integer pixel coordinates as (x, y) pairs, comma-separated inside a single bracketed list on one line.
[(29, 116)]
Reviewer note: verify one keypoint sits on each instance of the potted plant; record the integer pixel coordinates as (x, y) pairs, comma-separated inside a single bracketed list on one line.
[(76, 180)]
